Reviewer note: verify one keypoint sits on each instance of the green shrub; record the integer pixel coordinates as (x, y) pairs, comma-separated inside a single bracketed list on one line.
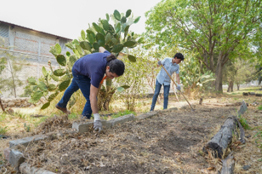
[(244, 123), (259, 107)]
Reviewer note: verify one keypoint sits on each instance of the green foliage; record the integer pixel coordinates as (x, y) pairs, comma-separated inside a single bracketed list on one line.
[(123, 113), (3, 130), (216, 31), (27, 127), (193, 76), (135, 78), (114, 37), (12, 65), (259, 107), (244, 123)]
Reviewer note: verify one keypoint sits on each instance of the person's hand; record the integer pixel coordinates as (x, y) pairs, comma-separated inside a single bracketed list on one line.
[(98, 125), (159, 63), (178, 87)]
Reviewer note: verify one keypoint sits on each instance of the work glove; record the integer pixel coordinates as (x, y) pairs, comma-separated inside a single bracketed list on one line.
[(98, 125), (97, 122), (178, 87), (159, 63)]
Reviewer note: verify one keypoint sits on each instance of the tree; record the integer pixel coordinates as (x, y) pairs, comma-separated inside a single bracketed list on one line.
[(212, 29), (11, 64)]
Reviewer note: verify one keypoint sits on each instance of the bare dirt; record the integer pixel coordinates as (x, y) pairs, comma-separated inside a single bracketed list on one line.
[(168, 143)]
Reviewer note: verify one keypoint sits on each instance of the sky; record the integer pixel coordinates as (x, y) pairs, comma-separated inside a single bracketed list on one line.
[(67, 18)]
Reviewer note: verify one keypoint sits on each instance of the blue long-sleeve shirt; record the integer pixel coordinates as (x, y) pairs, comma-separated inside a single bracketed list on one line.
[(93, 66)]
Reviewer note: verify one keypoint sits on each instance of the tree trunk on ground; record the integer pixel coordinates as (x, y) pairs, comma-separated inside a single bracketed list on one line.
[(218, 144), (218, 82)]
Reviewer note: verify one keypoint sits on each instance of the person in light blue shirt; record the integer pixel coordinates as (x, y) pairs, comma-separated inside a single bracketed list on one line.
[(171, 65)]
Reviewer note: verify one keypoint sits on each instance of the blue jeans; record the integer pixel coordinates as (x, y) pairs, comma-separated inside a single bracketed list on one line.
[(157, 90), (82, 82)]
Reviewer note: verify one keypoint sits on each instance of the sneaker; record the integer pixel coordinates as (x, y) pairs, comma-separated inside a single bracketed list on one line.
[(64, 110)]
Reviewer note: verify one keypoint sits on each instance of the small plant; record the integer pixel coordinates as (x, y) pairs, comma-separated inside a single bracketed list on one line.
[(27, 127), (3, 130), (72, 116), (126, 112), (244, 123), (259, 107)]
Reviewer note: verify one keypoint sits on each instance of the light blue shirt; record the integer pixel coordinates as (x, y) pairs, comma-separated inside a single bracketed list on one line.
[(162, 76)]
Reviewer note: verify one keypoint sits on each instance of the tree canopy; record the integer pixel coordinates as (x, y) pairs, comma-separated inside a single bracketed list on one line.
[(216, 30)]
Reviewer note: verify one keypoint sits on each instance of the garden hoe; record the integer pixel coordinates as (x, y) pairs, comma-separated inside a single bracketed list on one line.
[(176, 86)]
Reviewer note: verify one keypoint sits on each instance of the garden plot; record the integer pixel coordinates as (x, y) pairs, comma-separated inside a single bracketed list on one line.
[(168, 143)]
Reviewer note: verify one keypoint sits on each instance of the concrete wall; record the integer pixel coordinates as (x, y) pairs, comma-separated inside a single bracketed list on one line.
[(32, 47)]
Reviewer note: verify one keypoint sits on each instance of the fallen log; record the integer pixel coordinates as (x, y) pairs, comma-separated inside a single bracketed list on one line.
[(218, 144), (228, 165)]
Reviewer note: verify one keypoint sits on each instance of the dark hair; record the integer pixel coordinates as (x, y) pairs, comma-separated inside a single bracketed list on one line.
[(116, 66), (179, 56)]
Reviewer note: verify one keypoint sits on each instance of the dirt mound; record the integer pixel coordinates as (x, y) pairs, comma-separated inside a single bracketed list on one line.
[(55, 123)]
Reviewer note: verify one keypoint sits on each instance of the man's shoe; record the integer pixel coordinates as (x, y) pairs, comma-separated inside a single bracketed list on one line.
[(64, 110)]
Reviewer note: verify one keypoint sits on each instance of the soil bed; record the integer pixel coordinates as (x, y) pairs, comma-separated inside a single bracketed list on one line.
[(169, 143)]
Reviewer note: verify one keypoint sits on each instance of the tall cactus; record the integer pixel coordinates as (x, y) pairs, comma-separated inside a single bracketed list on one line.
[(113, 37)]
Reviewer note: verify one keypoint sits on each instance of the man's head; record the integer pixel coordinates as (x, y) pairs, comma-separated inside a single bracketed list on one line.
[(178, 57), (115, 68)]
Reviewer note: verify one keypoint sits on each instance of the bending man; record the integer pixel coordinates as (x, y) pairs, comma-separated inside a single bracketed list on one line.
[(88, 71)]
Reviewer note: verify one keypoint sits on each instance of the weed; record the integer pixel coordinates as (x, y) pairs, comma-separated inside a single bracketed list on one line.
[(3, 130), (27, 127), (2, 116), (126, 112), (258, 139), (21, 115), (244, 123), (259, 107), (72, 116)]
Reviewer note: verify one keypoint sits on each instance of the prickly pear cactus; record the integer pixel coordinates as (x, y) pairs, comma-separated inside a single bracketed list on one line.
[(114, 37)]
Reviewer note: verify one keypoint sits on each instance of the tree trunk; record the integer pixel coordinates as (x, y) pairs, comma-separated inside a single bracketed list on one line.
[(230, 86), (218, 144), (238, 86), (218, 82)]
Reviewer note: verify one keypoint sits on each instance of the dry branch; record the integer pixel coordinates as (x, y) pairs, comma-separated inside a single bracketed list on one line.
[(228, 165)]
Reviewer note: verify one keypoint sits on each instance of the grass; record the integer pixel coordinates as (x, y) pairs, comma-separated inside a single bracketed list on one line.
[(126, 112), (244, 123), (259, 107), (3, 130), (258, 139)]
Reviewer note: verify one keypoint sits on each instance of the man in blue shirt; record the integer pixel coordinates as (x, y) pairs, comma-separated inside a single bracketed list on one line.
[(171, 65), (88, 72)]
